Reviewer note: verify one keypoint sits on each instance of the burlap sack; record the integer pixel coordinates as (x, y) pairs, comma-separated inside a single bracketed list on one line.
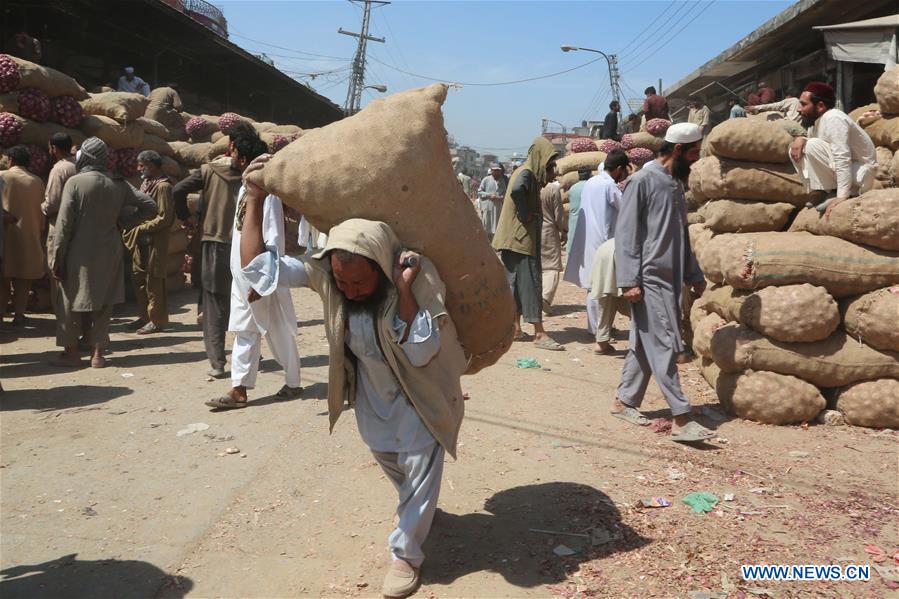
[(121, 106), (695, 218), (694, 184), (565, 200), (191, 155), (162, 110), (284, 129), (153, 128), (792, 313), (642, 139), (699, 237), (694, 201), (744, 216), (838, 360), (883, 130), (263, 127), (703, 330), (874, 404), (397, 170), (757, 260), (50, 81), (575, 162), (768, 397), (750, 140), (216, 136), (9, 102), (39, 133), (764, 182), (886, 90), (115, 134), (219, 147), (874, 318), (883, 172), (720, 254), (894, 168), (172, 169), (871, 219), (157, 144)]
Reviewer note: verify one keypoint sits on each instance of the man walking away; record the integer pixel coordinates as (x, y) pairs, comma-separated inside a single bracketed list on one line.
[(554, 229), (653, 260)]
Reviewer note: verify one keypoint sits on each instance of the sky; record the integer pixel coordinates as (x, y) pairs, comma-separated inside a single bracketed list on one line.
[(497, 42)]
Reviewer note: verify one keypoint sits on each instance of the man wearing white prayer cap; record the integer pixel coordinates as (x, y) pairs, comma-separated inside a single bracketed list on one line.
[(129, 82), (653, 261)]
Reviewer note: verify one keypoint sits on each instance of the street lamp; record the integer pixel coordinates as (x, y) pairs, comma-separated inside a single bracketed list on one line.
[(377, 88), (546, 120), (612, 61)]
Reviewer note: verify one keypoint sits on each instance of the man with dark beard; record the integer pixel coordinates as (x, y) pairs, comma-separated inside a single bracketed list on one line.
[(394, 356), (837, 157), (653, 261)]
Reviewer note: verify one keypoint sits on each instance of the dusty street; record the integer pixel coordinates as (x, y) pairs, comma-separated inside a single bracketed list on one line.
[(102, 497)]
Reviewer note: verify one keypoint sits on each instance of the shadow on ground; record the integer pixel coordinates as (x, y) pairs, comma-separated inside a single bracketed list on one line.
[(59, 398), (69, 577), (503, 540)]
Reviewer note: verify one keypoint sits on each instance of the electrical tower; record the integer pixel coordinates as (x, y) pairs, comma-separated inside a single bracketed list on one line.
[(357, 79), (613, 78)]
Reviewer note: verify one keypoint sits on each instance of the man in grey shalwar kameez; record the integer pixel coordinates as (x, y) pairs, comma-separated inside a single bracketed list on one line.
[(653, 260), (491, 192)]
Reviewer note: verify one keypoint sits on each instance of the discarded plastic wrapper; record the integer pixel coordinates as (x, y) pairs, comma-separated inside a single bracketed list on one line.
[(654, 502), (701, 502), (564, 551), (527, 363)]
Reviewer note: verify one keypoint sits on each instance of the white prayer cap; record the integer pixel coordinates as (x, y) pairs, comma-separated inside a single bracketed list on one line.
[(683, 133), (129, 70)]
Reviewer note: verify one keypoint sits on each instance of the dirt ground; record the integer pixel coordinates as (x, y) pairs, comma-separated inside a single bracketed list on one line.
[(101, 497)]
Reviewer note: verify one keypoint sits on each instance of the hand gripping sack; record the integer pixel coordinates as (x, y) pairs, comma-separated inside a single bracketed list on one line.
[(390, 162)]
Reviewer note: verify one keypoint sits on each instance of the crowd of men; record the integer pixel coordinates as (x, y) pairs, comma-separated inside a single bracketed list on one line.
[(394, 354)]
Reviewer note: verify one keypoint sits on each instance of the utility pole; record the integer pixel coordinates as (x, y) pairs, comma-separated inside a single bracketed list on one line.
[(357, 79)]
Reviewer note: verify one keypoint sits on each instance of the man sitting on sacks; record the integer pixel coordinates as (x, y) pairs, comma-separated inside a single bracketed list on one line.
[(837, 157), (394, 356)]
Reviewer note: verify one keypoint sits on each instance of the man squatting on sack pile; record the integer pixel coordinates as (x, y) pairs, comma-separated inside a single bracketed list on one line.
[(394, 356)]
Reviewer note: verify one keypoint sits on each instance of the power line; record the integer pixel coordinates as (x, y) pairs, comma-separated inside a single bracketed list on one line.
[(638, 36), (674, 35), (482, 84), (288, 49), (651, 38)]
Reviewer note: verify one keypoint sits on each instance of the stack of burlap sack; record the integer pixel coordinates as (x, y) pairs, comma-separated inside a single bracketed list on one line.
[(881, 122), (397, 170), (802, 311)]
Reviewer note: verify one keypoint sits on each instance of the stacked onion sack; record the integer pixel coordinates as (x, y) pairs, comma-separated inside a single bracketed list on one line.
[(583, 152), (801, 312), (35, 102), (881, 122)]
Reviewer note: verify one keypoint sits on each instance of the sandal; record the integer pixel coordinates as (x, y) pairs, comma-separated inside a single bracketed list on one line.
[(691, 433), (602, 352), (289, 392), (632, 415), (226, 402), (521, 337), (548, 344)]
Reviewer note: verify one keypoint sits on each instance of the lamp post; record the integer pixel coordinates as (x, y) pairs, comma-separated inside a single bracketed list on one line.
[(612, 61), (377, 88)]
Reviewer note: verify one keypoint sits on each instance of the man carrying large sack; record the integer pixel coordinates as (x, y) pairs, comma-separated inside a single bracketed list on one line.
[(653, 261), (394, 356), (518, 238), (837, 157)]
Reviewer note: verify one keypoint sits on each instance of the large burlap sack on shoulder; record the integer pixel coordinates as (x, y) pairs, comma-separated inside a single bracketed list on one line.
[(121, 106), (750, 140), (744, 216), (874, 404), (870, 219), (792, 313), (115, 134), (838, 360), (575, 162), (39, 133), (191, 155), (642, 139), (769, 397), (153, 128), (50, 81), (755, 260), (874, 318), (886, 90), (397, 170), (722, 179), (157, 144)]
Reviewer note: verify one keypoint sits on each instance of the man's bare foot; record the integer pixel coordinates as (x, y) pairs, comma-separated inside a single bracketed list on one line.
[(603, 347)]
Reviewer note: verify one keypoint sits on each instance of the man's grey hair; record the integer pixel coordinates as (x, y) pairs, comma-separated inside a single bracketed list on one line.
[(150, 157)]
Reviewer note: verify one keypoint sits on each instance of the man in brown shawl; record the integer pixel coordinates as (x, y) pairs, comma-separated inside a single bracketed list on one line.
[(87, 253), (22, 196)]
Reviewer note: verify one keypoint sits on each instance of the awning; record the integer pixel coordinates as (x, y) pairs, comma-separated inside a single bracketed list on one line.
[(872, 41)]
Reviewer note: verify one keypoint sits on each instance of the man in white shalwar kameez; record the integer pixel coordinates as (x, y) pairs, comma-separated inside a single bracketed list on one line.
[(595, 224), (837, 158), (653, 262), (272, 317)]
